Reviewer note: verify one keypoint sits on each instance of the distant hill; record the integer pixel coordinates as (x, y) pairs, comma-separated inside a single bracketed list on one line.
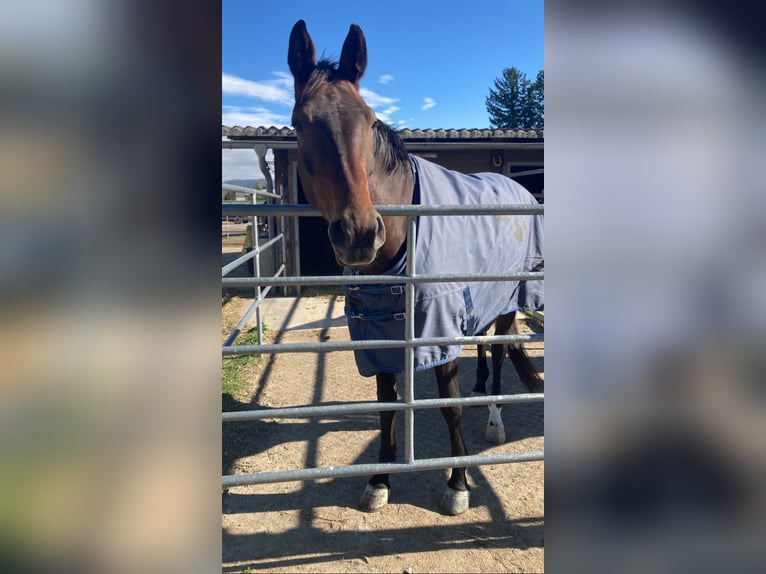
[(246, 182)]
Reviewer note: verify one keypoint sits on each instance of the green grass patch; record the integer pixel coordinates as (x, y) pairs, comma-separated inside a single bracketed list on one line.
[(236, 369)]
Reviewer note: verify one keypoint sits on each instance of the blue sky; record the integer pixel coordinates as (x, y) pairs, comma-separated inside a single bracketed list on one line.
[(430, 63)]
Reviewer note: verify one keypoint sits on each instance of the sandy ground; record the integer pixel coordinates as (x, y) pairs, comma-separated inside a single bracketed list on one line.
[(316, 527)]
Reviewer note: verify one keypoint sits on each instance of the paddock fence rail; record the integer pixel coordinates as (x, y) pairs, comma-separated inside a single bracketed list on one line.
[(254, 255), (407, 404)]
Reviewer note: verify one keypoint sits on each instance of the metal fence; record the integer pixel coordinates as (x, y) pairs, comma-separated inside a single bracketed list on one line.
[(407, 404), (255, 255)]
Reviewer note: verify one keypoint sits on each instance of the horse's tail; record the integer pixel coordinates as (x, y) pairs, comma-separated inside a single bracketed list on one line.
[(527, 372)]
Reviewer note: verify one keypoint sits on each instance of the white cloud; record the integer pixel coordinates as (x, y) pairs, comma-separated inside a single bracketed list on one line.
[(385, 115), (385, 79), (284, 80), (428, 103), (252, 116), (241, 164), (275, 91), (376, 100)]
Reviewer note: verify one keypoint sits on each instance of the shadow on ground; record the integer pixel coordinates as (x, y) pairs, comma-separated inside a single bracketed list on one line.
[(324, 511)]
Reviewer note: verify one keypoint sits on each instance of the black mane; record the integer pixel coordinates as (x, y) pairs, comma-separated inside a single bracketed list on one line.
[(327, 66), (325, 70), (389, 148)]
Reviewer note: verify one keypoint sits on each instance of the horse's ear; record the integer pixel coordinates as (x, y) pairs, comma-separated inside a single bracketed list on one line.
[(353, 58), (301, 55)]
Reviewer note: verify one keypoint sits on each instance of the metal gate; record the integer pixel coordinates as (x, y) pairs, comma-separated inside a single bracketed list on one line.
[(408, 404), (254, 258)]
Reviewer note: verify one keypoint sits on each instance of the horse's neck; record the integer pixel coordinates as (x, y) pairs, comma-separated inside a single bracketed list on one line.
[(394, 189)]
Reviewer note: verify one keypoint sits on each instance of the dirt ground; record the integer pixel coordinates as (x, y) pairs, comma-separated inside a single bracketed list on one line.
[(316, 527)]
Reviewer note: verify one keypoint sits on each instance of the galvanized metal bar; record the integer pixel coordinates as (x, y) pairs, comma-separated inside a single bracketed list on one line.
[(230, 481), (242, 322), (229, 209), (257, 273), (246, 317), (384, 279), (283, 227), (279, 271), (290, 210), (409, 335), (283, 245), (229, 267), (322, 411), (229, 234), (295, 230), (266, 244), (252, 281), (248, 190), (331, 346)]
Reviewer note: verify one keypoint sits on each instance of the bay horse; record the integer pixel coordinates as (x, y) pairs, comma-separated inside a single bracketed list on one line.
[(348, 162)]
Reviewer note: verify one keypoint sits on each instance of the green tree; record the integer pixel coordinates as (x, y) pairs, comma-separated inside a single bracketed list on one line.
[(516, 102)]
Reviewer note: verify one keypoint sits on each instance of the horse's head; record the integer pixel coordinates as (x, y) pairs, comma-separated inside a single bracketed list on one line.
[(333, 126)]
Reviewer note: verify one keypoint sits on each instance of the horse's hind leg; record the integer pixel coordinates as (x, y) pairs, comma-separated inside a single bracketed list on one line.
[(482, 372), (456, 498), (375, 495), (524, 367), (495, 430)]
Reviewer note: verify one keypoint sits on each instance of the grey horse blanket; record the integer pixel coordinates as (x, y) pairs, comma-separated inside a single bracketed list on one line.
[(451, 244)]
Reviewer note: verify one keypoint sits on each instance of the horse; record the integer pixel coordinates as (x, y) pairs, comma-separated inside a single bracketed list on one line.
[(348, 162)]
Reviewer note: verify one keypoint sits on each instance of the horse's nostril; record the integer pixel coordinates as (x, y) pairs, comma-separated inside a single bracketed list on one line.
[(338, 232), (344, 233)]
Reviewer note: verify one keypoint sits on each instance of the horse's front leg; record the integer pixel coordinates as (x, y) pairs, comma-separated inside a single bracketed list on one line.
[(455, 498), (375, 495)]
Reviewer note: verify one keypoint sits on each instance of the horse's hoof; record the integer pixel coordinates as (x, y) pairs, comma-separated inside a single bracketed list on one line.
[(455, 501), (495, 434), (373, 498)]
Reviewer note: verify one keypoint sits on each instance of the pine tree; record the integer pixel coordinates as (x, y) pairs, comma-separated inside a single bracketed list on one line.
[(516, 102), (537, 117)]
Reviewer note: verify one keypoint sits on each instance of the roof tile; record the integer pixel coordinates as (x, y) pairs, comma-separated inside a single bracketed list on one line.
[(405, 134)]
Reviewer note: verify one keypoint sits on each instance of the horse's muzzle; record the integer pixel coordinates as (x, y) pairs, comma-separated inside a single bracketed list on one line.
[(356, 242)]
